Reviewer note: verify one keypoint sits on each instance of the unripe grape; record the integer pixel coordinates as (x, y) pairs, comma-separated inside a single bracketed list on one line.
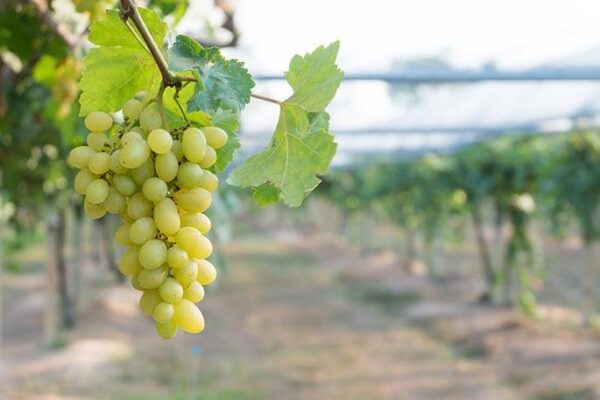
[(97, 141), (166, 166), (132, 109), (166, 217), (193, 200), (149, 300), (186, 274), (80, 156), (153, 253), (167, 330), (193, 242), (154, 189), (94, 211), (207, 273), (134, 154), (131, 137), (124, 184), (115, 202), (122, 234), (138, 206), (97, 191), (163, 312), (189, 175), (143, 172), (115, 163), (171, 291), (194, 144), (194, 292), (188, 317), (142, 230), (135, 283), (82, 180), (210, 158), (99, 163), (176, 257), (177, 149), (98, 121), (215, 137), (198, 221), (152, 278), (160, 141), (209, 181), (129, 264), (150, 119)]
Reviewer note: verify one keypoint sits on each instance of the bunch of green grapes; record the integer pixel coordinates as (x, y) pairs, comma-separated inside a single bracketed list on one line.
[(160, 184)]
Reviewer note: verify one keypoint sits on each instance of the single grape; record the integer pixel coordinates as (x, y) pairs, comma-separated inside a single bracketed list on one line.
[(210, 158), (135, 283), (194, 292), (115, 202), (153, 253), (97, 141), (128, 263), (141, 95), (194, 144), (160, 141), (166, 166), (176, 257), (189, 175), (132, 109), (122, 234), (150, 119), (131, 137), (97, 191), (186, 274), (198, 221), (124, 184), (163, 312), (152, 278), (99, 163), (94, 211), (154, 189), (82, 180), (171, 291), (98, 121), (193, 200), (188, 317), (134, 154), (115, 163), (142, 230), (215, 137), (80, 156), (207, 273), (166, 217), (138, 206), (149, 300), (193, 242), (209, 181), (142, 173), (167, 330)]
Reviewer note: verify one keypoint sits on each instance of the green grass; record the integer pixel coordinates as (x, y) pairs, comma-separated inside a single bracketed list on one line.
[(566, 394), (383, 297)]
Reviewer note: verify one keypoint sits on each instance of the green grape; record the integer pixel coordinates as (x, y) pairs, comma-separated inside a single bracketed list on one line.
[(152, 278), (194, 144), (138, 206), (209, 181), (188, 317), (98, 121), (149, 300), (122, 234), (153, 253), (82, 180), (135, 283), (115, 163), (166, 217), (166, 166), (198, 221), (128, 263), (141, 95), (207, 273), (124, 184), (134, 154), (94, 211), (210, 158), (167, 330), (215, 137), (154, 189), (193, 242), (193, 200), (163, 312), (143, 172), (189, 175), (132, 109), (97, 191), (99, 163), (97, 141), (150, 119), (171, 291), (160, 141), (142, 230), (194, 292), (176, 257), (131, 137), (186, 274), (80, 156), (115, 202), (177, 149)]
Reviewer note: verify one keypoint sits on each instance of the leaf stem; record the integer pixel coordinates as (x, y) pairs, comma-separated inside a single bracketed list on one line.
[(265, 98)]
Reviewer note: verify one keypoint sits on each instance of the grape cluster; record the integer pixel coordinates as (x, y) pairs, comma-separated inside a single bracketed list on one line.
[(159, 183)]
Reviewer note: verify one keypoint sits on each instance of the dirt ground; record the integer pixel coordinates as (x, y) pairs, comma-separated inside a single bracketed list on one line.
[(299, 317)]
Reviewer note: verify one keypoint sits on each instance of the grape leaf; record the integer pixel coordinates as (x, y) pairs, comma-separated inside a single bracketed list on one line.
[(229, 122), (119, 67), (223, 83)]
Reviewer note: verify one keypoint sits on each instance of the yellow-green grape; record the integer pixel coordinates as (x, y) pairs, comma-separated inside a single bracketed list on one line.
[(94, 211), (153, 253), (194, 292), (124, 184), (193, 200), (207, 273), (160, 141), (210, 158), (177, 257), (163, 312), (122, 234), (209, 181), (115, 163), (198, 221), (98, 121), (193, 144), (154, 189), (166, 166), (189, 175), (177, 149), (99, 163), (149, 300), (150, 119), (143, 172), (215, 137), (171, 291), (141, 95), (166, 217), (129, 264), (135, 283), (152, 278), (134, 154), (186, 274), (80, 156), (188, 317), (131, 137), (97, 140), (115, 202), (167, 330), (138, 206), (97, 191), (193, 242), (82, 180), (132, 109), (142, 230)]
